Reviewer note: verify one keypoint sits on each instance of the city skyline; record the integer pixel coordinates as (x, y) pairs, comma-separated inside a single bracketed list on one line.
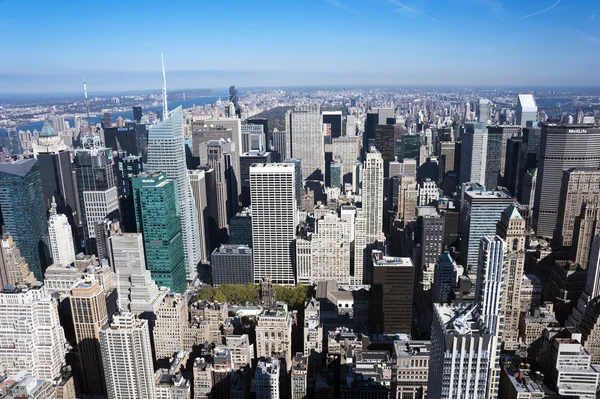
[(331, 42)]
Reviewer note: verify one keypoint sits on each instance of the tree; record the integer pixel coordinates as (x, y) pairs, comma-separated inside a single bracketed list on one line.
[(220, 296)]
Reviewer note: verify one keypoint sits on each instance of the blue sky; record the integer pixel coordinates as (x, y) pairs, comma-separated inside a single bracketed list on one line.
[(48, 45)]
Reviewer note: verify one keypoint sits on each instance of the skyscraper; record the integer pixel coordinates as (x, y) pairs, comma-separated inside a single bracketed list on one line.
[(13, 268), (511, 228), (158, 219), (170, 326), (61, 240), (128, 166), (137, 114), (481, 211), (56, 175), (303, 124), (199, 191), (137, 292), (88, 308), (579, 185), (459, 341), (31, 336), (483, 111), (526, 109), (97, 186), (392, 293), (232, 264), (489, 297), (274, 221), (369, 218), (561, 148), (473, 157), (496, 153), (23, 214), (166, 153), (334, 120), (127, 358)]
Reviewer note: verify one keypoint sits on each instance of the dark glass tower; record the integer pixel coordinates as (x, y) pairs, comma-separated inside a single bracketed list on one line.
[(122, 139), (137, 114), (129, 167), (157, 218), (24, 213)]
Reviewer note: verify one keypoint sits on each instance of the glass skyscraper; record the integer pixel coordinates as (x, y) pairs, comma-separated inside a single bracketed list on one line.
[(157, 218), (24, 212), (166, 153)]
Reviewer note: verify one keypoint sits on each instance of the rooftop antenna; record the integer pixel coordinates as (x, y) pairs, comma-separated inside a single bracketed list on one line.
[(87, 107), (164, 88)]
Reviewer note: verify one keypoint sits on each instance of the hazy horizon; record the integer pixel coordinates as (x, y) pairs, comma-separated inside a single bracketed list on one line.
[(264, 43)]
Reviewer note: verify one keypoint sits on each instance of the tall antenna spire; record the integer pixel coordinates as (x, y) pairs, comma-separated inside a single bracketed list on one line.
[(164, 89), (87, 106)]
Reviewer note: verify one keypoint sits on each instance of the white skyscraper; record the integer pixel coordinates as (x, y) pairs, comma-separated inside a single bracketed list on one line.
[(274, 221), (459, 362), (136, 290), (61, 240), (483, 112), (473, 156), (489, 296), (127, 358), (369, 218), (31, 337), (304, 126), (526, 109), (166, 153)]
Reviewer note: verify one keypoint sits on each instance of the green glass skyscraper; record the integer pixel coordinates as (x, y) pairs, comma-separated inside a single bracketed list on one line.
[(24, 212), (157, 218)]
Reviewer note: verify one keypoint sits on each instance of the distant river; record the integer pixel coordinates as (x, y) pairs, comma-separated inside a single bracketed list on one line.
[(188, 103)]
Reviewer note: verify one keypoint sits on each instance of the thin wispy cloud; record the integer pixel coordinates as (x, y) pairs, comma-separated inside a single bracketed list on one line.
[(593, 17), (402, 8), (539, 12), (343, 7)]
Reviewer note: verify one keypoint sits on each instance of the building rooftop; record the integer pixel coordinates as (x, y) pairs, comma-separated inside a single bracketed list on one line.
[(381, 260), (18, 168), (484, 194), (527, 102)]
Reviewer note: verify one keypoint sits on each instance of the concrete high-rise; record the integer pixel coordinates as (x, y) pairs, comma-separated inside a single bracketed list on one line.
[(170, 326), (61, 240), (31, 336), (369, 217), (127, 358), (483, 111), (489, 297), (97, 187), (459, 341), (198, 183), (480, 213), (88, 308), (157, 218), (392, 293), (274, 333), (166, 153), (13, 268), (56, 174), (496, 153), (304, 126), (561, 148), (445, 278), (579, 186), (23, 212), (473, 156), (511, 228), (526, 109), (587, 226), (274, 221), (138, 293)]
